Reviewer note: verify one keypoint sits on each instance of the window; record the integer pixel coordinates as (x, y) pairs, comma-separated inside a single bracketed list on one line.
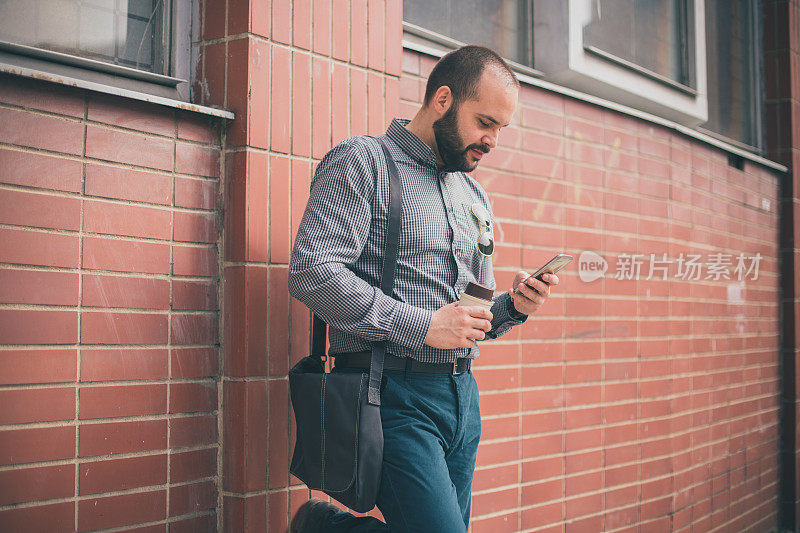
[(651, 35), (505, 26), (126, 43), (734, 88)]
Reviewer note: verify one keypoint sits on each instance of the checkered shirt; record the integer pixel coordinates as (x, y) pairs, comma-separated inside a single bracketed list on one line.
[(337, 258)]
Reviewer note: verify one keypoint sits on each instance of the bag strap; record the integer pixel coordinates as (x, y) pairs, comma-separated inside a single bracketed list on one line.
[(318, 326), (389, 266)]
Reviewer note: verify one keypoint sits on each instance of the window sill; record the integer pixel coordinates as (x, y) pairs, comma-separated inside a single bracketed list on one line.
[(42, 70)]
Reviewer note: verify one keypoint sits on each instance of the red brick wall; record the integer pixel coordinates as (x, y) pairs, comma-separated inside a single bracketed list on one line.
[(108, 312), (623, 403)]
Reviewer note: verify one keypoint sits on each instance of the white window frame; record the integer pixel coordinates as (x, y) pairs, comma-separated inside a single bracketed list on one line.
[(561, 53)]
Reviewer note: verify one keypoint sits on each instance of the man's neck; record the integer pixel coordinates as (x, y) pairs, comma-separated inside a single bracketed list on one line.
[(422, 127)]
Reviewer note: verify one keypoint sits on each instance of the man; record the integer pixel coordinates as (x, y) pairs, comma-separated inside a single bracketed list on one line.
[(429, 399)]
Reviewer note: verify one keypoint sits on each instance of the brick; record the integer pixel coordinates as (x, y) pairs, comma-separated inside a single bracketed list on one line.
[(41, 131), (244, 459), (125, 219), (195, 329), (375, 101), (195, 464), (123, 364), (123, 328), (123, 400), (194, 260), (196, 193), (122, 437), (238, 90), (214, 18), (200, 295), (38, 248), (53, 518), (131, 114), (213, 89), (38, 94), (301, 111), (277, 510), (127, 184), (192, 397), (194, 362), (30, 484), (376, 33), (37, 170), (23, 208), (193, 431), (279, 216), (195, 227), (38, 327), (358, 32), (124, 291), (38, 287), (121, 510), (282, 21), (131, 148), (121, 474), (358, 95), (301, 23), (246, 290), (278, 433), (301, 184), (38, 444), (340, 41), (321, 30), (37, 366), (280, 118), (339, 98), (192, 498), (125, 256), (321, 117), (196, 160), (394, 38), (199, 128), (37, 405), (245, 513)]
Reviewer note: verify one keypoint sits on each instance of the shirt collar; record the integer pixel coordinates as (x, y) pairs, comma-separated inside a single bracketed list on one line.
[(410, 143)]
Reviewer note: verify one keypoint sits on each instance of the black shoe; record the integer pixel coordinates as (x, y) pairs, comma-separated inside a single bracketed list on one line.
[(311, 516)]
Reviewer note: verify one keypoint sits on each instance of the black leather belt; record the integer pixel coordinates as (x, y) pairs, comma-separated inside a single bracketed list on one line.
[(392, 362)]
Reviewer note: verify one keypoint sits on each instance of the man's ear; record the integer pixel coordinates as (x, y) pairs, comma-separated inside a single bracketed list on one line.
[(442, 100)]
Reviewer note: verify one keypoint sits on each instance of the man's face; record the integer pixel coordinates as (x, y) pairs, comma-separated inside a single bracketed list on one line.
[(469, 130)]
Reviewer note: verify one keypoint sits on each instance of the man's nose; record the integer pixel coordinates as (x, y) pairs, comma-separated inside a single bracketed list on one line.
[(490, 139)]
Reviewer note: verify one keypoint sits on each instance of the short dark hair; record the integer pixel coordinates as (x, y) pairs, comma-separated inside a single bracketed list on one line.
[(461, 71)]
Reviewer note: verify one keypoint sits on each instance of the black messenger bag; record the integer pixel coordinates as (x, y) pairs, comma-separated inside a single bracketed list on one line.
[(339, 444)]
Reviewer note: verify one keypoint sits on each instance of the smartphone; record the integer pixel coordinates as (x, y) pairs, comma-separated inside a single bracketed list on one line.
[(551, 267)]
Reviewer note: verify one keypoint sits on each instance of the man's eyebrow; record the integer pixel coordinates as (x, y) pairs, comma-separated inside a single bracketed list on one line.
[(492, 119)]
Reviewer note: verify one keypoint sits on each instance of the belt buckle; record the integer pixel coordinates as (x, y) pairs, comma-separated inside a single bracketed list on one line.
[(455, 367)]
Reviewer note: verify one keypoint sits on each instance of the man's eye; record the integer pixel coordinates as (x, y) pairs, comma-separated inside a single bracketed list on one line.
[(484, 123)]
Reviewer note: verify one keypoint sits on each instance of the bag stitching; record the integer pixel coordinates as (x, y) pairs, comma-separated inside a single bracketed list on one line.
[(322, 427)]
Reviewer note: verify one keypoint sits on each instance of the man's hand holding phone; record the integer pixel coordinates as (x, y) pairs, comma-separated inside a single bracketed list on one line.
[(530, 291)]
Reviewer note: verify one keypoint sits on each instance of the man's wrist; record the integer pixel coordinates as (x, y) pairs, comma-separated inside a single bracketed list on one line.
[(512, 310)]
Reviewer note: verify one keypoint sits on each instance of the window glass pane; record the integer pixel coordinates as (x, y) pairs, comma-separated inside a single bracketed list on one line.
[(649, 33), (122, 32), (502, 25), (733, 73)]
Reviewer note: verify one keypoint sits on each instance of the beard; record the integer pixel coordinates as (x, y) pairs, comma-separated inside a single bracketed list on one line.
[(450, 144)]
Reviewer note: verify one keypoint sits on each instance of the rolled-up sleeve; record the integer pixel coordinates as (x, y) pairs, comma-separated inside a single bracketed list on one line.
[(331, 237)]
